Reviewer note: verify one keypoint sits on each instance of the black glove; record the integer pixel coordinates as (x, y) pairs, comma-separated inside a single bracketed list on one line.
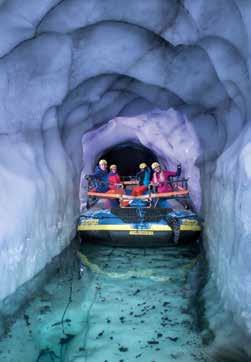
[(178, 170)]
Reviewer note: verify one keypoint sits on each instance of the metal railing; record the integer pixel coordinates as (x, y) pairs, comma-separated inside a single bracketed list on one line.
[(174, 183)]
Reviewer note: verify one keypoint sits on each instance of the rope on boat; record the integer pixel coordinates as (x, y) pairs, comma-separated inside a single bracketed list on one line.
[(147, 273)]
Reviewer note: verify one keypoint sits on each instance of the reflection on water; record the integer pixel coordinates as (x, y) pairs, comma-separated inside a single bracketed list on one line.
[(128, 305)]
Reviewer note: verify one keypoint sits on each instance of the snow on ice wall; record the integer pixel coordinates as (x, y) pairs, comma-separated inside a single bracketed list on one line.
[(68, 66), (37, 214)]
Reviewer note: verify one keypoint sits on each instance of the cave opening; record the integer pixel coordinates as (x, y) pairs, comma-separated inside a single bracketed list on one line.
[(127, 156)]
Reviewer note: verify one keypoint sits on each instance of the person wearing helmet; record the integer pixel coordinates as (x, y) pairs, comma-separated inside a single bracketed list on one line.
[(114, 181), (144, 177), (161, 177), (101, 177)]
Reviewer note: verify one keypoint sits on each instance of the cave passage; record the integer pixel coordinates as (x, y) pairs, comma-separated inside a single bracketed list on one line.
[(173, 76), (128, 156), (130, 305)]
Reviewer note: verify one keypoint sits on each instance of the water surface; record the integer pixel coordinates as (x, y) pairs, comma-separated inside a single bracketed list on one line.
[(130, 305)]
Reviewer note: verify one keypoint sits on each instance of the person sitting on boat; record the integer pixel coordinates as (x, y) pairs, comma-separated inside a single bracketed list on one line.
[(101, 177), (144, 178), (161, 177), (114, 181)]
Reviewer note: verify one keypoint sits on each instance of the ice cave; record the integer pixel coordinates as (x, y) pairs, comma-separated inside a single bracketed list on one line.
[(85, 79)]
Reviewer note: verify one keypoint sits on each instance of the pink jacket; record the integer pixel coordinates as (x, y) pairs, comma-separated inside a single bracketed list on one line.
[(161, 178)]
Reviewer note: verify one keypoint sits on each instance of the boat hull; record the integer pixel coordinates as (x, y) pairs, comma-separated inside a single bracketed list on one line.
[(129, 236)]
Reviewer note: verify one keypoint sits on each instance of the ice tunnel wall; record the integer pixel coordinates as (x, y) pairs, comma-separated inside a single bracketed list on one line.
[(69, 65)]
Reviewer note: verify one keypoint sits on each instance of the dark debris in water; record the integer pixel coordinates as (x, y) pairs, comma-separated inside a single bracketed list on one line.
[(47, 352), (100, 334), (173, 339), (59, 323), (68, 337), (27, 320), (122, 319), (139, 315), (153, 342), (136, 292), (123, 349), (45, 309)]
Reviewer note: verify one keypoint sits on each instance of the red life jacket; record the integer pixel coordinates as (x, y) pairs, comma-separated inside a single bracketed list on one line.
[(113, 180)]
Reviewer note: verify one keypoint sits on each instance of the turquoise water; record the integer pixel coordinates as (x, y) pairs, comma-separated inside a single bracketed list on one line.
[(129, 305)]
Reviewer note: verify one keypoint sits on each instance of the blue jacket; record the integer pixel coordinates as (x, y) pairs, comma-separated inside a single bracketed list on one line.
[(101, 179), (144, 176)]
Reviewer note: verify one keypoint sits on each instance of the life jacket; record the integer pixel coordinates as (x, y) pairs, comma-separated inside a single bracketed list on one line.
[(144, 176), (147, 176), (113, 180)]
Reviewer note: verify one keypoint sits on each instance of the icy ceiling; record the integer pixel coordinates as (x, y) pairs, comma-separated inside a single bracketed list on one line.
[(69, 65)]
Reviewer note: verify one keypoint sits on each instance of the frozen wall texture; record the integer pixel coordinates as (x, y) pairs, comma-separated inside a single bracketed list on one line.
[(67, 66)]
